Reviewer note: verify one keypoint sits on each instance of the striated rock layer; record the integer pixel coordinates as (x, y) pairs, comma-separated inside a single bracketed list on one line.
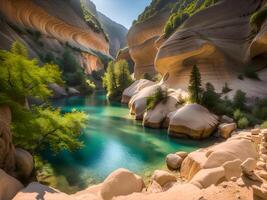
[(28, 14), (218, 40), (141, 40)]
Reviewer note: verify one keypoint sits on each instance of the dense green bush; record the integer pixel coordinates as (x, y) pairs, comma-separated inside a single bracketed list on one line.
[(240, 100), (116, 79), (249, 72), (243, 123), (264, 124), (210, 98), (159, 96)]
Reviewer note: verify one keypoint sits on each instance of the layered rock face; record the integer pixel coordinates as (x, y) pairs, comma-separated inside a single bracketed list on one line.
[(141, 40), (218, 40), (48, 27), (28, 13)]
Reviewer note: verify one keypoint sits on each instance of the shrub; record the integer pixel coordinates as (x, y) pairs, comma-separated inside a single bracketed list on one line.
[(238, 115), (160, 96), (264, 124), (226, 89), (243, 123), (210, 98), (240, 100), (249, 72)]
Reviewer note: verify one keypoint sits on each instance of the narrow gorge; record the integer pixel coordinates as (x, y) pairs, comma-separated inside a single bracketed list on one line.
[(124, 100)]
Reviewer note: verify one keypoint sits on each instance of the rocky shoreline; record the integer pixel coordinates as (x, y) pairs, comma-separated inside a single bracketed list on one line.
[(234, 169)]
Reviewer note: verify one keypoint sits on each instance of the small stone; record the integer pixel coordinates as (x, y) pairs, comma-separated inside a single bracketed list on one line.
[(234, 179), (263, 157), (173, 161), (248, 166), (255, 131), (256, 139), (260, 165), (240, 182), (232, 169), (264, 144), (263, 174), (225, 130), (154, 187), (263, 150)]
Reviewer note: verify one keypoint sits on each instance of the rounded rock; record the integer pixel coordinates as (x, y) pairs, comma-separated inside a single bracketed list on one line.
[(174, 161)]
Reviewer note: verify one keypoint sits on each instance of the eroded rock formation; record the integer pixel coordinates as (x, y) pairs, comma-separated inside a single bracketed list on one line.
[(141, 40), (218, 40)]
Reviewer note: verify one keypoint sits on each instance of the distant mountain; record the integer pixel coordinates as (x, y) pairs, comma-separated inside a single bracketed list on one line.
[(116, 33)]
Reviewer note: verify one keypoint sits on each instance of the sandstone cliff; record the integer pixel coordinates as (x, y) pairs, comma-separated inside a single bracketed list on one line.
[(217, 37), (47, 27), (141, 40)]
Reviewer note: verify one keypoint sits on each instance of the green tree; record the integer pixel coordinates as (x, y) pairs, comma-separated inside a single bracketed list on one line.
[(124, 78), (240, 100), (194, 88), (38, 126), (210, 98), (18, 48), (116, 79)]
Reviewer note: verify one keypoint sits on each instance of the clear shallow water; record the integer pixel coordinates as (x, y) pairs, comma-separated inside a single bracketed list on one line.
[(112, 139)]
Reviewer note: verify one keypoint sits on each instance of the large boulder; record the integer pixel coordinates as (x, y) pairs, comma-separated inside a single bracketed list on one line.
[(9, 186), (173, 161), (192, 120), (156, 117), (38, 191), (207, 177), (58, 91), (24, 162), (217, 155), (119, 183), (134, 89), (138, 101)]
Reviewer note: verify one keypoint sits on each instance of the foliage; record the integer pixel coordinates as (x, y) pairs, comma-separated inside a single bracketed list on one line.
[(20, 77), (159, 96), (49, 127), (210, 98), (264, 124), (257, 19), (243, 123), (194, 88), (116, 79), (37, 127), (249, 72), (19, 49), (155, 7), (182, 10), (226, 88), (240, 100), (91, 20)]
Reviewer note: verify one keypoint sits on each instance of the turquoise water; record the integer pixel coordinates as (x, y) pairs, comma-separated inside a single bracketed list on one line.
[(112, 139)]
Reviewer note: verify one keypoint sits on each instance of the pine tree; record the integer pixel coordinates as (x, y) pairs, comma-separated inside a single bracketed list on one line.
[(194, 88)]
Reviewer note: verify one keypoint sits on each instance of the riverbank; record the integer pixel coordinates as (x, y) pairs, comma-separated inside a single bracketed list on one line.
[(234, 169), (112, 139)]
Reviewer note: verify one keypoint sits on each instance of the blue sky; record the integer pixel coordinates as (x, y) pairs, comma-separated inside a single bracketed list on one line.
[(121, 11)]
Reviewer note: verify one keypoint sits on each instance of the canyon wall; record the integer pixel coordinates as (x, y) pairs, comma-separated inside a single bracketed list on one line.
[(217, 38)]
